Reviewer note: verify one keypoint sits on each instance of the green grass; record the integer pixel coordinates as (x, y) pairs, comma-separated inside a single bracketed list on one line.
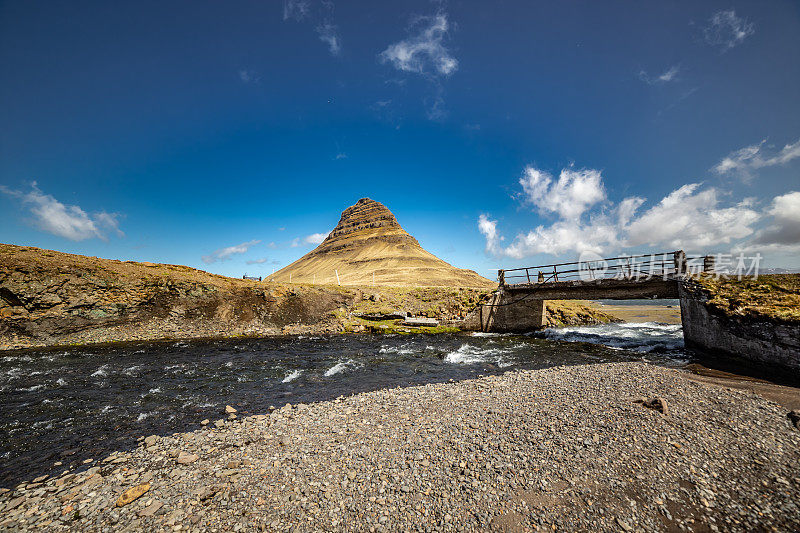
[(394, 327), (774, 296)]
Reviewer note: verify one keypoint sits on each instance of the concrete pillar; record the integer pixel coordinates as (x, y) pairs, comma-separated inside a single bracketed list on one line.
[(679, 259), (709, 264), (507, 312)]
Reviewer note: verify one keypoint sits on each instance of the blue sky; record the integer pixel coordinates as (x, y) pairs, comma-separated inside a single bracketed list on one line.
[(500, 134)]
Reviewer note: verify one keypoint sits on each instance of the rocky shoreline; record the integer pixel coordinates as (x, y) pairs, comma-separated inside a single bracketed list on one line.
[(572, 448)]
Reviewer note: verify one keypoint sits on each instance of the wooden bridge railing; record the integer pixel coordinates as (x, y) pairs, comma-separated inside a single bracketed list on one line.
[(630, 267)]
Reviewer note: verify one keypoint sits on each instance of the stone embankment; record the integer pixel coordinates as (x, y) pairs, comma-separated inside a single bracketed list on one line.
[(614, 447), (748, 321)]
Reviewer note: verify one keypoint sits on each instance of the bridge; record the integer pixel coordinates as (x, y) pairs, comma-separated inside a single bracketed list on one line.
[(519, 303)]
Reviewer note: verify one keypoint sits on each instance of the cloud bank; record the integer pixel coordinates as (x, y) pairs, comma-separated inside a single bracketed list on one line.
[(782, 234), (692, 217), (68, 221)]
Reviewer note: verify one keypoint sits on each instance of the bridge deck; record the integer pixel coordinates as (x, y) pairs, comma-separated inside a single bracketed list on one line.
[(605, 289), (615, 278)]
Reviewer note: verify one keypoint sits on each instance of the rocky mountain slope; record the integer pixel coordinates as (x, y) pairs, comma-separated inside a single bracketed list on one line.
[(368, 241), (53, 298)]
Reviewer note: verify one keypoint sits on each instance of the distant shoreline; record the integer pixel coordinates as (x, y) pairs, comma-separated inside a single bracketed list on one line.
[(666, 314)]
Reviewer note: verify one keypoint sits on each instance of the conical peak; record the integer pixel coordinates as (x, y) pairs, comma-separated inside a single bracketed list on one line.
[(365, 207), (368, 245), (364, 214)]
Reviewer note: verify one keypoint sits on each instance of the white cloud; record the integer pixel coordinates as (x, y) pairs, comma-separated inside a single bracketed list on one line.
[(68, 221), (424, 52), (320, 13), (257, 261), (600, 234), (316, 238), (745, 161), (570, 196), (563, 237), (726, 30), (783, 232), (667, 76), (225, 253), (328, 34), (436, 106), (670, 74), (690, 217), (296, 9), (489, 230)]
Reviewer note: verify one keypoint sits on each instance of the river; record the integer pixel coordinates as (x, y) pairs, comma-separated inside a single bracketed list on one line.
[(70, 405)]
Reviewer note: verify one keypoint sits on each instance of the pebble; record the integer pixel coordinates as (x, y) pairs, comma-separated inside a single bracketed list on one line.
[(151, 508)]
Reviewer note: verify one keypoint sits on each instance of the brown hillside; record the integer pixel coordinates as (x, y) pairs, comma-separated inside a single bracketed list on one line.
[(50, 298), (369, 241)]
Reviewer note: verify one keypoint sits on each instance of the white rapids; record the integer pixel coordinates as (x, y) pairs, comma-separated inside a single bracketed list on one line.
[(639, 336)]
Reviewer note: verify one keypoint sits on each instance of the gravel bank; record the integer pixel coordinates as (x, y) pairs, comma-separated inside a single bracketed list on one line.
[(563, 448)]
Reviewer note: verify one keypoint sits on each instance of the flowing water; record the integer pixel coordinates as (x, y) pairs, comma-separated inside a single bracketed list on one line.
[(636, 336), (67, 405)]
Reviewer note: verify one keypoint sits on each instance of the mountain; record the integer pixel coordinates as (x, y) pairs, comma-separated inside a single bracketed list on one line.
[(52, 298), (368, 243)]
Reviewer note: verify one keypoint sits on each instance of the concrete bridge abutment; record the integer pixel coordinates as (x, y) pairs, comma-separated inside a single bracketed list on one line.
[(506, 312)]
